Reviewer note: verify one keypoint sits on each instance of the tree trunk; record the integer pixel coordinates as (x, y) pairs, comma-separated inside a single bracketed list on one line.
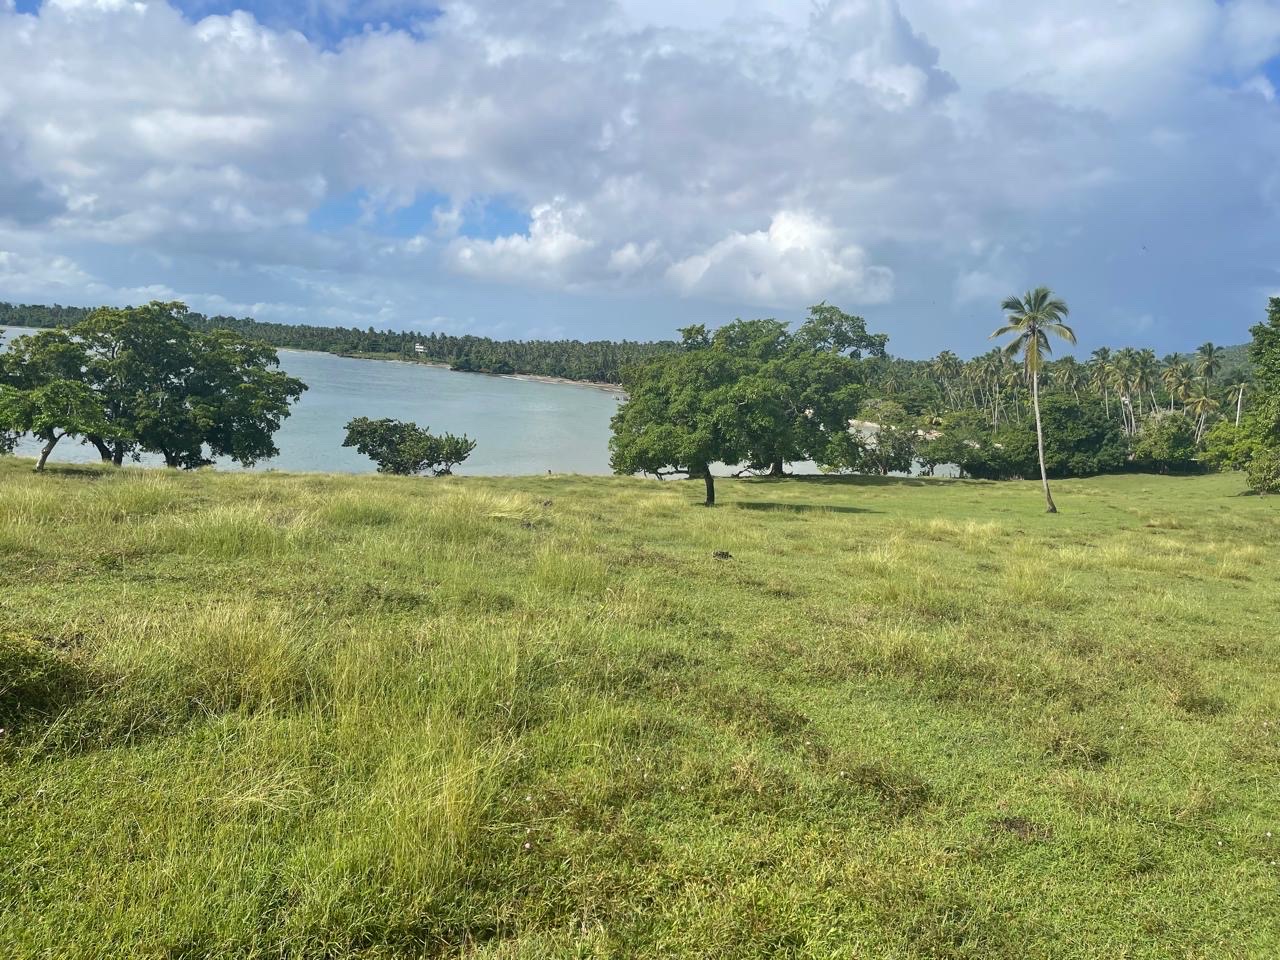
[(1239, 404), (776, 469), (46, 450), (117, 458), (104, 451), (1044, 475), (710, 482)]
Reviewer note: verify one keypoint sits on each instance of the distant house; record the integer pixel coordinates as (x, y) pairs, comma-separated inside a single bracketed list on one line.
[(419, 348)]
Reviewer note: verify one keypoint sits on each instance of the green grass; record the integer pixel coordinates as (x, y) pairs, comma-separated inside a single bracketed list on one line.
[(313, 716)]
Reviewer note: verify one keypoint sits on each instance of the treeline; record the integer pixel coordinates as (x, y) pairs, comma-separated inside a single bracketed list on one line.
[(1128, 382), (600, 361)]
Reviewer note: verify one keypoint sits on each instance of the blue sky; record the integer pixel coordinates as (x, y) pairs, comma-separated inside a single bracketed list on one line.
[(619, 168)]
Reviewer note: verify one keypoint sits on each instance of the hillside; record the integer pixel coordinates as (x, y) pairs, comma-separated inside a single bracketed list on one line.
[(258, 715)]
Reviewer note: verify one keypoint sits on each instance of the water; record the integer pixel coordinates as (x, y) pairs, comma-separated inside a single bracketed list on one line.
[(520, 426)]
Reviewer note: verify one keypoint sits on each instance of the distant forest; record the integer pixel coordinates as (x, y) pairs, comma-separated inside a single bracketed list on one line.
[(920, 386), (598, 361)]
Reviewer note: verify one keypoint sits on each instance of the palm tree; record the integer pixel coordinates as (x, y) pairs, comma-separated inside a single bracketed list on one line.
[(1238, 390), (1177, 379), (1208, 360), (1122, 378), (1145, 367), (1201, 405), (1031, 318), (1069, 375), (1100, 375), (946, 367)]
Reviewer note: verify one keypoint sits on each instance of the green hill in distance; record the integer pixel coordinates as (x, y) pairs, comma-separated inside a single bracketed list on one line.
[(252, 715)]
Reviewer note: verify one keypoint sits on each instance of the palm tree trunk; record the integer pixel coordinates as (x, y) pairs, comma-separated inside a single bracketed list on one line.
[(1239, 404), (1044, 476)]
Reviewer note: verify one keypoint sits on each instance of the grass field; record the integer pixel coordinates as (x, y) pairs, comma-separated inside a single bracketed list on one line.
[(312, 716)]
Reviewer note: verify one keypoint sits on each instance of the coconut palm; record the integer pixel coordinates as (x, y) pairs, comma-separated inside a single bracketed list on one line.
[(1201, 405), (1208, 361), (1031, 319), (946, 367), (1145, 368), (1100, 375), (1237, 391), (1177, 379), (1069, 375), (1123, 376)]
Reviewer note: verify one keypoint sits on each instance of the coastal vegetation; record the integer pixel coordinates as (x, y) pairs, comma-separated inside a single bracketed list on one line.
[(251, 715), (406, 449), (600, 361), (757, 394), (142, 380)]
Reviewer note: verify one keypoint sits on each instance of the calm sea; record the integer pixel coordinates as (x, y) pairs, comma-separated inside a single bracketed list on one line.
[(520, 426)]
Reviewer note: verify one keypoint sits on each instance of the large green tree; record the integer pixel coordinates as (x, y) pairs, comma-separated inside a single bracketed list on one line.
[(799, 388), (158, 386), (1031, 319), (753, 392), (680, 416)]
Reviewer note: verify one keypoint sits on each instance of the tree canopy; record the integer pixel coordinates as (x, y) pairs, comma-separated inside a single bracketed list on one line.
[(141, 380), (1254, 444), (404, 448), (753, 393)]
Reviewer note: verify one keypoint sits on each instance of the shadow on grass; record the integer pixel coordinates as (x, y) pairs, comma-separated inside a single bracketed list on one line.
[(860, 480), (798, 507)]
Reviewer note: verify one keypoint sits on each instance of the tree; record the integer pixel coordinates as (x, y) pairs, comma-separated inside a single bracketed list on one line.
[(1200, 405), (1031, 319), (1237, 393), (796, 390), (161, 387), (680, 417), (1166, 442), (49, 412), (891, 448), (405, 449), (1079, 441), (1254, 445), (1208, 361), (42, 393), (1177, 378)]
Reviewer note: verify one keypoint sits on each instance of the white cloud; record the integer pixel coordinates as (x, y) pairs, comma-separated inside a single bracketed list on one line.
[(546, 254), (799, 259), (1252, 32), (760, 152)]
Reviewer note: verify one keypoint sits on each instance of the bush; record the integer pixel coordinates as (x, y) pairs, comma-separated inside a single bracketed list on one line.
[(1263, 470), (403, 447)]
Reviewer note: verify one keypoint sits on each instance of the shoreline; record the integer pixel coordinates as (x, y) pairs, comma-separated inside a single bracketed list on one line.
[(614, 388), (443, 365)]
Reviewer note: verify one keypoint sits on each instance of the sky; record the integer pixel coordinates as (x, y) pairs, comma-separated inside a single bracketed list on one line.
[(620, 168)]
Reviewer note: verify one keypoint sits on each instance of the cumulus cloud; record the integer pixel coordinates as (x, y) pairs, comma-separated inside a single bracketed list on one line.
[(693, 158), (547, 253), (799, 259)]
